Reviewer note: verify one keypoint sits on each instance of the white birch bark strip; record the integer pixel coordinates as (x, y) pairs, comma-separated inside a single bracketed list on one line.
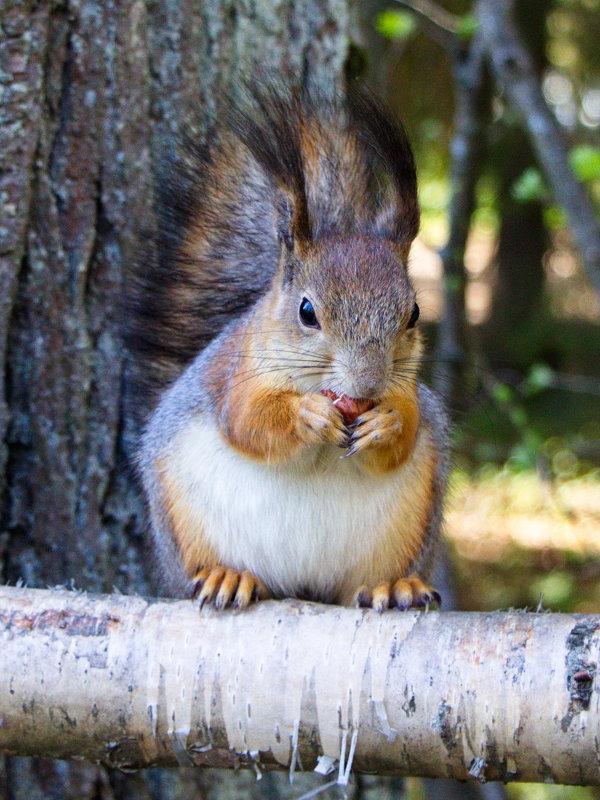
[(134, 682)]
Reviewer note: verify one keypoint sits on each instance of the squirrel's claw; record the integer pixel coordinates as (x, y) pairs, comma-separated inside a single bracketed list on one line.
[(207, 583), (227, 588), (379, 426), (250, 588), (411, 592), (320, 421), (404, 593)]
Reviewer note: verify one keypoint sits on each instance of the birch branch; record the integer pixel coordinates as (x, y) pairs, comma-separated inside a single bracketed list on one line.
[(135, 683), (515, 72)]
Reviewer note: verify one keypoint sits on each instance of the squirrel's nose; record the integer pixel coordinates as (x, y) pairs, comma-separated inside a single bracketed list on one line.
[(365, 370), (369, 389), (370, 379)]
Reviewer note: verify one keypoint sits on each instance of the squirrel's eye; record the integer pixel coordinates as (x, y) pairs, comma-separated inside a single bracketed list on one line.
[(413, 317), (307, 314)]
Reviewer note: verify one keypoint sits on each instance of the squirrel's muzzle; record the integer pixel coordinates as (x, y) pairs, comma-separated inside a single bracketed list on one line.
[(368, 373)]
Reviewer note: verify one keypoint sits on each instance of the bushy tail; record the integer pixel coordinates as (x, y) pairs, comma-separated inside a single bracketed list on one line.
[(344, 166)]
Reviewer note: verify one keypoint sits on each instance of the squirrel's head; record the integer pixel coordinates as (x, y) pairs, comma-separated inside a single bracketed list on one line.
[(341, 190), (348, 314)]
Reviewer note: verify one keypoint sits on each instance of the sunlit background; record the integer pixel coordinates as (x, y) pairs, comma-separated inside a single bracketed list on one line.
[(524, 501), (523, 517)]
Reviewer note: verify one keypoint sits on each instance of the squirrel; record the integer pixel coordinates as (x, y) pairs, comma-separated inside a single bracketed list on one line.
[(290, 449)]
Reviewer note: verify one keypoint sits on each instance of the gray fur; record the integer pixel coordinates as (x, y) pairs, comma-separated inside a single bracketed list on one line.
[(434, 417), (182, 401)]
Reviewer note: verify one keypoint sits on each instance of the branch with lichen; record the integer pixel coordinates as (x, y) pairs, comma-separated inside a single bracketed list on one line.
[(134, 683)]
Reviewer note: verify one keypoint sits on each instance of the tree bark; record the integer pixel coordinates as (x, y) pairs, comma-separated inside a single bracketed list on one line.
[(523, 239), (91, 95), (135, 683), (472, 96)]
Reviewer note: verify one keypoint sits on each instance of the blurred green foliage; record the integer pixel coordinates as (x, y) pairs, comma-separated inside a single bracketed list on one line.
[(527, 438), (519, 791), (536, 791), (466, 26), (530, 186), (569, 58), (396, 24), (585, 161)]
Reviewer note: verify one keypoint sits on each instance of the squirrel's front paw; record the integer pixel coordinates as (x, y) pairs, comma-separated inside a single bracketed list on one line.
[(319, 421), (227, 587), (405, 593), (378, 427)]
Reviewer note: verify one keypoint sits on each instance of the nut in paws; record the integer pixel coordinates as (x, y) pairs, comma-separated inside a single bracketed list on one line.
[(378, 427), (320, 421)]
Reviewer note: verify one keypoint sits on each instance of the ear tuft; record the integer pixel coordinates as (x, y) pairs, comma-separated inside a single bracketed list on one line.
[(285, 222)]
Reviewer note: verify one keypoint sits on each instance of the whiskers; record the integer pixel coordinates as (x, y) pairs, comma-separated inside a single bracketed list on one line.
[(295, 365), (436, 367), (292, 365)]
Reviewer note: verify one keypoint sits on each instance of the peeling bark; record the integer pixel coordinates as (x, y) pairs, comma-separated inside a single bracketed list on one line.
[(135, 683)]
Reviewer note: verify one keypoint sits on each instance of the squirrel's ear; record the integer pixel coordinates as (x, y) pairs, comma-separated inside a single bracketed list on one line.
[(285, 222), (388, 224), (387, 144), (292, 229)]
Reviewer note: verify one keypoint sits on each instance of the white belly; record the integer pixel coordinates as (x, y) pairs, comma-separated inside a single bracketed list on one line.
[(301, 527)]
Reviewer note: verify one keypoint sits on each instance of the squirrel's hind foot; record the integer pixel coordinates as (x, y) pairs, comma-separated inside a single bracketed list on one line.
[(223, 588), (404, 593)]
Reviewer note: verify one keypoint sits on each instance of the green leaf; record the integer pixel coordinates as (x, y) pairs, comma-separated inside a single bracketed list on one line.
[(521, 459), (502, 393), (467, 26), (529, 186), (395, 24), (554, 218), (518, 417), (585, 162), (556, 587), (540, 377)]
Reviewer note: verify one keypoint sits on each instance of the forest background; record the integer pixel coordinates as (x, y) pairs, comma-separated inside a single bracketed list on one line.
[(90, 94), (524, 505)]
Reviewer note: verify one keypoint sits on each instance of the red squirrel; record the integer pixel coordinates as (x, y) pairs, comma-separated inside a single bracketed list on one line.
[(292, 450)]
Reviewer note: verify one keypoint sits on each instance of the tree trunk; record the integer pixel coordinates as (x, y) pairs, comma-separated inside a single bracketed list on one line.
[(91, 93), (523, 238), (135, 683)]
